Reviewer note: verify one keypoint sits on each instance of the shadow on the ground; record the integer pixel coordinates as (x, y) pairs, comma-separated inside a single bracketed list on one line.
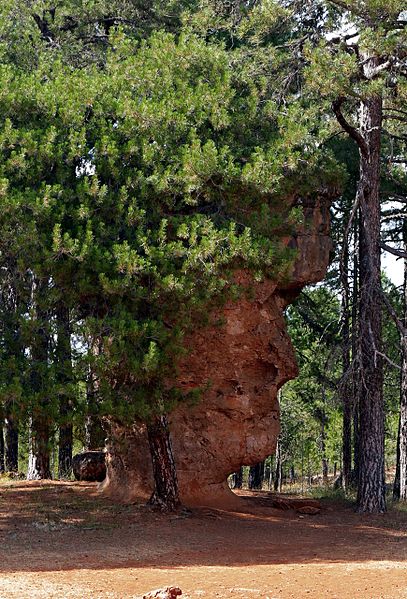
[(66, 526)]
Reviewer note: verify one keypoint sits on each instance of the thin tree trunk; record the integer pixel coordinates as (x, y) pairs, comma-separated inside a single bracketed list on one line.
[(402, 446), (40, 420), (11, 439), (355, 358), (64, 378), (371, 488), (94, 433), (1, 448), (325, 471), (271, 473), (279, 469), (323, 420), (345, 388), (396, 484), (166, 493), (237, 482)]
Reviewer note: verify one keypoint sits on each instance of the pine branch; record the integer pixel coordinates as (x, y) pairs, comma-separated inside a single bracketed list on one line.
[(394, 251), (43, 27), (395, 197), (397, 321), (350, 130), (388, 360)]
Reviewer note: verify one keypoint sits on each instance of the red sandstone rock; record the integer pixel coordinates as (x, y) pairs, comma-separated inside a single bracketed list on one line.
[(246, 361)]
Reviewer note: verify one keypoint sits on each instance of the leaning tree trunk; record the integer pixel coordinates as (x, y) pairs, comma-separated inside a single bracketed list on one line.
[(11, 440), (40, 419), (402, 447), (166, 492), (371, 487), (64, 378)]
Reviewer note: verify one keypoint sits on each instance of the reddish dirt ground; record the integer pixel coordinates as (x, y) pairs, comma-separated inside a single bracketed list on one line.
[(63, 540)]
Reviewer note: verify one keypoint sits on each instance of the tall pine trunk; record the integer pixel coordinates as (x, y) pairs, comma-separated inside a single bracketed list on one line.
[(345, 388), (323, 420), (355, 369), (64, 378), (11, 442), (396, 484), (1, 447), (40, 421), (94, 432), (278, 479), (256, 475), (166, 492), (371, 484), (237, 479), (402, 441)]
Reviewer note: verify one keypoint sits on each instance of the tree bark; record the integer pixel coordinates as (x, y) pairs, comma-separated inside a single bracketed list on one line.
[(166, 493), (345, 388), (279, 469), (64, 379), (1, 448), (94, 432), (396, 484), (40, 421), (11, 439), (256, 475), (323, 421), (355, 386), (402, 447), (371, 487), (237, 481), (39, 454)]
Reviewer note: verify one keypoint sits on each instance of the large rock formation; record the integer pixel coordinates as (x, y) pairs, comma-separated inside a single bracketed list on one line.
[(246, 360)]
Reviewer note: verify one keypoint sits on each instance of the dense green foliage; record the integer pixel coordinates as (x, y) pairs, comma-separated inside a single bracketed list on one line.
[(133, 186)]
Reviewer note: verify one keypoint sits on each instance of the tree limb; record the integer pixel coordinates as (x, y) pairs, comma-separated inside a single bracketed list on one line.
[(350, 130), (396, 197), (394, 251), (397, 321)]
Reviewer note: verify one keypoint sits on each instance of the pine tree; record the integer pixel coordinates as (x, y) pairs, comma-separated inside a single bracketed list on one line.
[(362, 65)]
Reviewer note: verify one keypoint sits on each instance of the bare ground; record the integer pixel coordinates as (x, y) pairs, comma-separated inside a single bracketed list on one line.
[(63, 540)]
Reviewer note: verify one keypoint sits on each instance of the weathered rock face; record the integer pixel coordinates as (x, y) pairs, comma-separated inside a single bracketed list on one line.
[(246, 361)]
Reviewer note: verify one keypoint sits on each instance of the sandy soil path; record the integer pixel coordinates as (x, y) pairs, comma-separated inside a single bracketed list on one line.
[(63, 540)]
